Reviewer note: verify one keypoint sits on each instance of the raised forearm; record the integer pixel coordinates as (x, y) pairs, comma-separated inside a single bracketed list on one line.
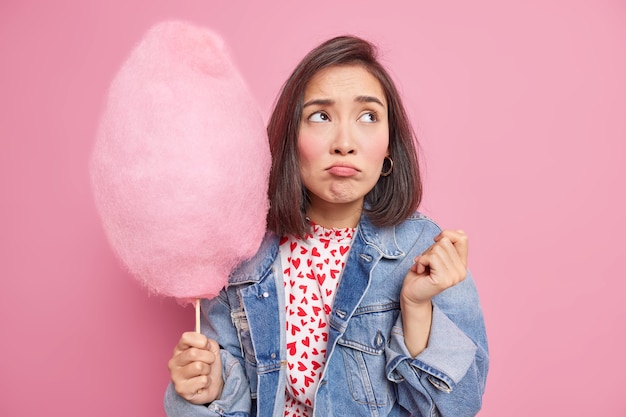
[(416, 319)]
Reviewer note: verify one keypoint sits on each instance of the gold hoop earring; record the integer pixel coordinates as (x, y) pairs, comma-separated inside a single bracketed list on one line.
[(386, 173)]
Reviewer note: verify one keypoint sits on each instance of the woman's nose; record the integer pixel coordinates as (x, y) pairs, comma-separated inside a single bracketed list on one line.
[(344, 143)]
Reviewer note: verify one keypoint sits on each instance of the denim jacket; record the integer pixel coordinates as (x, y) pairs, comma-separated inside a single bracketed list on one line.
[(369, 371)]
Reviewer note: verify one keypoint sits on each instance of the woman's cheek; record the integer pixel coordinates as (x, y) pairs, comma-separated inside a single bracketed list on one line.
[(378, 145)]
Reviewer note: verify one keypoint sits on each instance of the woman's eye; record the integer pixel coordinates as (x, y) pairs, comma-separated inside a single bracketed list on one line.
[(369, 117), (319, 116)]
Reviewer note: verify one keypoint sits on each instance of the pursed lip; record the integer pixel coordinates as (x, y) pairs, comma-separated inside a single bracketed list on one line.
[(343, 170)]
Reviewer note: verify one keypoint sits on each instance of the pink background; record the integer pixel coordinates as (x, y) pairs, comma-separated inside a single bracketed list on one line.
[(521, 111)]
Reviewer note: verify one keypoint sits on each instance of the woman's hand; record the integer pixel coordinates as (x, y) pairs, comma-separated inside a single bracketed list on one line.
[(196, 368), (441, 266)]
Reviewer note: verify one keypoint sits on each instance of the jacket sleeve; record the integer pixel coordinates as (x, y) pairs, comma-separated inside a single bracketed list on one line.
[(449, 375), (235, 400)]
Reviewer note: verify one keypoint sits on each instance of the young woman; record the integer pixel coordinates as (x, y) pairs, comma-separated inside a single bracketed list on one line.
[(355, 304)]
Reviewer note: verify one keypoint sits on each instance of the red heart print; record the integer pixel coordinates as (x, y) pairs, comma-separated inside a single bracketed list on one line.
[(321, 278)]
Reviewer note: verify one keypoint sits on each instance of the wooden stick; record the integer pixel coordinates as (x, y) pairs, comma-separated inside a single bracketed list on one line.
[(197, 315)]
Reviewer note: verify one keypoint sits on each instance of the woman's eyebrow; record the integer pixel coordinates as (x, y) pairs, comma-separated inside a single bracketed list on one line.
[(327, 101), (319, 102), (369, 99)]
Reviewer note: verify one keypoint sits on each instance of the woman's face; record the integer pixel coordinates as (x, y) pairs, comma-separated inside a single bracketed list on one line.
[(344, 136)]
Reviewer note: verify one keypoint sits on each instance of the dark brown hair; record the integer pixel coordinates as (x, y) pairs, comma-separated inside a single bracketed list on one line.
[(393, 198)]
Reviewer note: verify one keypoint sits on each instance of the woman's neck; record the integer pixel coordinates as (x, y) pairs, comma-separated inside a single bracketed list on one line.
[(333, 215)]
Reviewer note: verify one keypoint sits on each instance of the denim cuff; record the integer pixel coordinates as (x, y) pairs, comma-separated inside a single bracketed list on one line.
[(446, 359)]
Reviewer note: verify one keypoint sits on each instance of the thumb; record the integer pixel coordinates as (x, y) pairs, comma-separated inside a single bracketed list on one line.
[(420, 265), (216, 382), (216, 366)]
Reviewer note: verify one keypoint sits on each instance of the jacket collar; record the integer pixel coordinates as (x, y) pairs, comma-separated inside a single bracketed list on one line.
[(382, 239), (254, 269)]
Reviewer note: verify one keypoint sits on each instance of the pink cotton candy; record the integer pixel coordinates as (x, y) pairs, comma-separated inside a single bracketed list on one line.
[(181, 162)]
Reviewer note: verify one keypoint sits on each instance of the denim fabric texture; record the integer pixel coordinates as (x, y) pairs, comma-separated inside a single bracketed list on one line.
[(369, 371)]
